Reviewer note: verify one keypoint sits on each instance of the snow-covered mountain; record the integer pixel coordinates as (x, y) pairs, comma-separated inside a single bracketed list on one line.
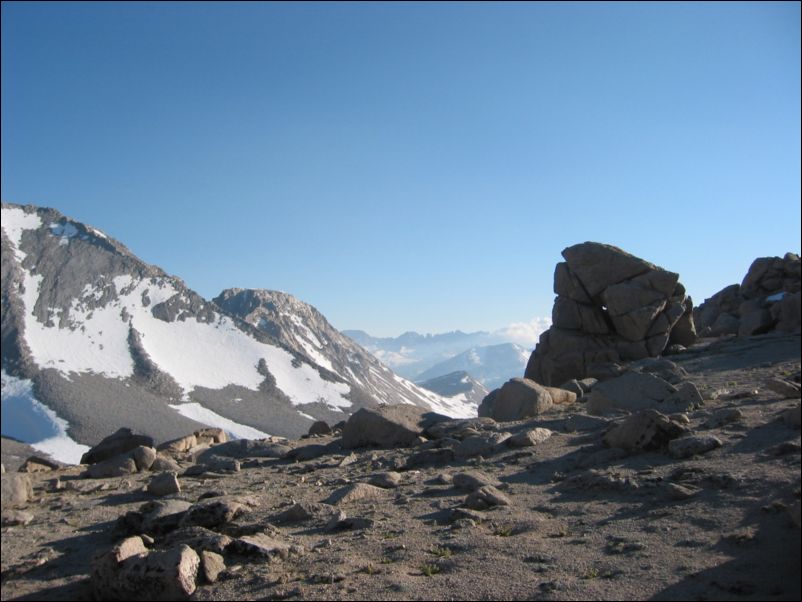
[(412, 354), (300, 326), (102, 340), (491, 365), (457, 386)]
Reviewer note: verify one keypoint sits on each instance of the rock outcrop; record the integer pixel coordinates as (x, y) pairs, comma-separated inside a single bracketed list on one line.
[(768, 299), (611, 307)]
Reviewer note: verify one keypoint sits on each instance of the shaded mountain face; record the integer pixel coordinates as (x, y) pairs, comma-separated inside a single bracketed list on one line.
[(491, 365), (412, 354), (456, 386), (300, 326), (105, 340)]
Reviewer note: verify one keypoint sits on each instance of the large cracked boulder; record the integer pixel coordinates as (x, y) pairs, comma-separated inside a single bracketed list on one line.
[(611, 307), (768, 299)]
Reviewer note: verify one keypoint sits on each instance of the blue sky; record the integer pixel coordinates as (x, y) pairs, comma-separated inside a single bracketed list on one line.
[(410, 166)]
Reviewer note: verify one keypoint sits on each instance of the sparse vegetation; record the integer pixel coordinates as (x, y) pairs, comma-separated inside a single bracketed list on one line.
[(429, 569)]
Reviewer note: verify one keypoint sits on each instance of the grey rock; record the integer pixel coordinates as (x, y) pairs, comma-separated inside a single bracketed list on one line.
[(143, 457), (632, 391), (212, 564), (646, 430), (356, 492), (786, 389), (386, 480), (529, 437), (12, 518), (246, 448), (131, 572), (165, 483), (179, 445), (792, 416), (113, 467), (429, 457), (38, 464), (518, 398), (723, 417), (262, 544), (486, 497), (120, 442), (385, 426), (693, 446), (320, 427), (212, 513), (481, 445), (303, 511), (164, 463)]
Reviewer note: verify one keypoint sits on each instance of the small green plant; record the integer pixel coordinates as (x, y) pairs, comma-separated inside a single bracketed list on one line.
[(505, 531), (443, 552), (592, 573), (429, 569), (369, 569), (387, 560)]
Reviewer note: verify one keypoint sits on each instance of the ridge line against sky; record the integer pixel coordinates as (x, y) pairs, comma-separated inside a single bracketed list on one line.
[(410, 166)]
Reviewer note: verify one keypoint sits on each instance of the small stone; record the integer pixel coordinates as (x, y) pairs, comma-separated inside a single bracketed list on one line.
[(355, 492), (472, 480), (165, 483), (486, 497), (386, 480), (784, 388), (16, 489), (693, 445), (678, 492), (212, 565), (793, 416), (529, 438), (723, 417), (38, 464), (16, 518)]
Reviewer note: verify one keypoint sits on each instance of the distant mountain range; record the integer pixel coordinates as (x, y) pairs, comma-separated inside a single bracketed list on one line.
[(94, 339), (486, 357), (457, 386), (491, 365)]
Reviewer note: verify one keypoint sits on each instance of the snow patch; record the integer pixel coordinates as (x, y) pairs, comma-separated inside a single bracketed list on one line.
[(27, 419), (776, 296), (197, 412), (15, 222)]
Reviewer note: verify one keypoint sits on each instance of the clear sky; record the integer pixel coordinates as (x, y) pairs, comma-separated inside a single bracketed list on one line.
[(410, 166)]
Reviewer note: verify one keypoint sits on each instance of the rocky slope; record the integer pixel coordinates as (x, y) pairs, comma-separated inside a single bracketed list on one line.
[(568, 505), (101, 338)]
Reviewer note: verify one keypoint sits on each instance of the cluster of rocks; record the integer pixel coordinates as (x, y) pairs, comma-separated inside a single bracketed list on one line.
[(767, 300), (611, 307)]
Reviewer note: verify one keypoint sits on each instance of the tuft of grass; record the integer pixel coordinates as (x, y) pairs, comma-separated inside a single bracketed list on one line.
[(369, 569), (443, 552), (592, 573), (429, 569), (505, 531)]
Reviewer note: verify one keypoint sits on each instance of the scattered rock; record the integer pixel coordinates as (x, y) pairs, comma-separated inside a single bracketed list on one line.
[(481, 445), (113, 467), (212, 513), (386, 480), (529, 438), (246, 448), (486, 497), (356, 492), (517, 399), (131, 572), (212, 564), (386, 426), (165, 483), (784, 388), (12, 518), (693, 446), (793, 416), (320, 427), (261, 544), (38, 464), (646, 430), (632, 391), (115, 444), (723, 417), (16, 489)]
